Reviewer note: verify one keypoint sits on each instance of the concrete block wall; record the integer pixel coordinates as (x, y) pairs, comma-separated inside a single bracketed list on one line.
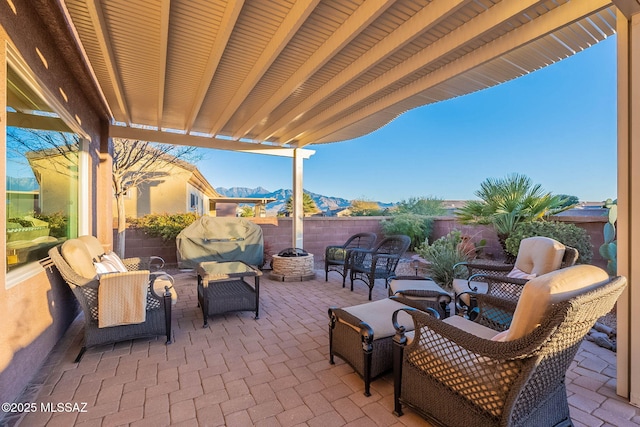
[(320, 232)]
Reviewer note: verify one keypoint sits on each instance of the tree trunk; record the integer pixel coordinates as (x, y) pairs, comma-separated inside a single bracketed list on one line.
[(122, 226)]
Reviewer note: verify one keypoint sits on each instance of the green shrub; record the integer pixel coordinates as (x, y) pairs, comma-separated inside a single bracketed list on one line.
[(365, 208), (417, 227), (565, 233), (429, 206), (22, 222), (57, 223), (167, 226), (443, 254)]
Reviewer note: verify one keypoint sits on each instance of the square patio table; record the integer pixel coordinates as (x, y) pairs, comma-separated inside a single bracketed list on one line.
[(222, 288)]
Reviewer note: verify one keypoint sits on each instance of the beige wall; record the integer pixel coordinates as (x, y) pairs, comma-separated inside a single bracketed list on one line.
[(54, 185), (167, 194), (36, 306)]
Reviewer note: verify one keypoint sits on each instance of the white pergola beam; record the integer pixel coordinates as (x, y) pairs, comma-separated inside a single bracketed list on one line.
[(292, 22), (231, 13), (452, 42), (425, 19), (336, 119), (204, 142), (358, 21), (97, 19), (165, 9)]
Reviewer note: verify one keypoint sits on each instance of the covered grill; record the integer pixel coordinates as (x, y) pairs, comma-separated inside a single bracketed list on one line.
[(220, 239)]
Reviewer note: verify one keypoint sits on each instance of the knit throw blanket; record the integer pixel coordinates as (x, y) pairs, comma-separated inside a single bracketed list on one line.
[(122, 299)]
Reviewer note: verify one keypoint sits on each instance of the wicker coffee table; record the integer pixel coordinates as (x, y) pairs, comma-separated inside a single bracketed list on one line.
[(222, 288)]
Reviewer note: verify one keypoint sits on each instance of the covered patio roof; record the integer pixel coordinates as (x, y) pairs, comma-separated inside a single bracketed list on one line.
[(272, 74)]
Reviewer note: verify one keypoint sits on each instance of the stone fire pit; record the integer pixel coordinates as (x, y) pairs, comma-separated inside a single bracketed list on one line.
[(292, 265)]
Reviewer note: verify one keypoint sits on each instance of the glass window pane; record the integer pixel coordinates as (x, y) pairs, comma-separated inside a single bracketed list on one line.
[(41, 176)]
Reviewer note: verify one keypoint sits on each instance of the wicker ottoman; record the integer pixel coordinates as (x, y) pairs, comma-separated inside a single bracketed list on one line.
[(362, 335), (423, 293)]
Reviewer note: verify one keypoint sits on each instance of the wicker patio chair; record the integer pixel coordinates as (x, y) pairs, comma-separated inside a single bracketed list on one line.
[(86, 289), (336, 257), (379, 262), (536, 256), (459, 373)]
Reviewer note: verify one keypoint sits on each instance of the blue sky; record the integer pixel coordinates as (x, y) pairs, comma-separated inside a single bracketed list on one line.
[(556, 125)]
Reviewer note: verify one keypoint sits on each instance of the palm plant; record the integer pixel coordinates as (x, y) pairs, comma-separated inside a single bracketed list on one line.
[(309, 206), (506, 202)]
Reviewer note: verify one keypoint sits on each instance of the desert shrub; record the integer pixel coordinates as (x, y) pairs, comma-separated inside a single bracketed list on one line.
[(365, 208), (422, 206), (417, 227), (443, 254), (565, 233), (167, 226)]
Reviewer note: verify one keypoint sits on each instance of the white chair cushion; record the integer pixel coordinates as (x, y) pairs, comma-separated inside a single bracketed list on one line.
[(539, 255), (377, 315), (414, 285), (471, 327), (543, 291)]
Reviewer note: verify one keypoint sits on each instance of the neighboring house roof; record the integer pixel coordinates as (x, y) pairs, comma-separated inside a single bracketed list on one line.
[(263, 200)]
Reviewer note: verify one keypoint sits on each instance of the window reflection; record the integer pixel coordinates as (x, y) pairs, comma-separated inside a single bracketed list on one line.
[(41, 176)]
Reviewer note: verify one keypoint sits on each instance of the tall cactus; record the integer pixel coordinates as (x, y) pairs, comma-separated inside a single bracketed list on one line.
[(609, 249)]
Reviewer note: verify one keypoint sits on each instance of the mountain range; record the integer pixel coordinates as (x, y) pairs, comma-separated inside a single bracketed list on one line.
[(324, 203), (22, 184)]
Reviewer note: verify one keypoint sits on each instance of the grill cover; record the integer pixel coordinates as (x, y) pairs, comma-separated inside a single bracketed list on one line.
[(220, 239)]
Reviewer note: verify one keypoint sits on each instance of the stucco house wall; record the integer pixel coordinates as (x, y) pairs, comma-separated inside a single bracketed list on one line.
[(167, 194), (36, 305)]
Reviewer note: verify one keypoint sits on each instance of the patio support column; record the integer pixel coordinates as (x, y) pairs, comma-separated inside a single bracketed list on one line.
[(628, 226), (102, 214), (298, 211)]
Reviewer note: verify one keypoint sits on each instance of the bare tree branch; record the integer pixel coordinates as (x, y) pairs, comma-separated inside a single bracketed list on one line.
[(138, 162)]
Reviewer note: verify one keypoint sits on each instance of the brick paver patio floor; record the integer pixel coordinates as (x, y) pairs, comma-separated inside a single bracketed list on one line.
[(273, 371)]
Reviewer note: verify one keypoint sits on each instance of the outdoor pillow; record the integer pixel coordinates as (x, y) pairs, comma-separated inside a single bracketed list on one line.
[(77, 256), (539, 255), (93, 246), (105, 267), (114, 259), (516, 273), (551, 288), (337, 254)]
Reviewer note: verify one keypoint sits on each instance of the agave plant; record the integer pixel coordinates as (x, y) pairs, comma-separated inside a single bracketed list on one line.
[(506, 202)]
